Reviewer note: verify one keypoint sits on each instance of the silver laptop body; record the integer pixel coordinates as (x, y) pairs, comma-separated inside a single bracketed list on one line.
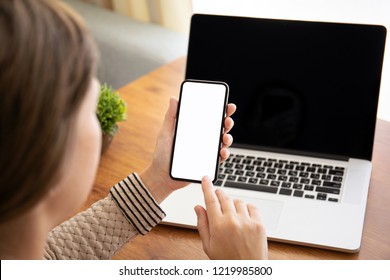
[(307, 95)]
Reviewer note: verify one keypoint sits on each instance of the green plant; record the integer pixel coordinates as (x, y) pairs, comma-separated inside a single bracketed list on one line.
[(110, 110)]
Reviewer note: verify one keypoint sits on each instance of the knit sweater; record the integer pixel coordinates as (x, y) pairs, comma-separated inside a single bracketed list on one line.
[(100, 231)]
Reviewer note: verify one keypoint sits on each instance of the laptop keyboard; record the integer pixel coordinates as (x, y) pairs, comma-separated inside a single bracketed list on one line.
[(283, 177)]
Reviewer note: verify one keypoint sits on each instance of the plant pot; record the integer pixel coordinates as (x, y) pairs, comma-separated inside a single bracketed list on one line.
[(106, 141)]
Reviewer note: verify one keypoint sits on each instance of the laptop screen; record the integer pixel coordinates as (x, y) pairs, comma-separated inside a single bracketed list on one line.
[(306, 87)]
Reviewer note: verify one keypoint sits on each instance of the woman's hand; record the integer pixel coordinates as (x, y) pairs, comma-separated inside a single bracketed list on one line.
[(230, 229), (156, 176)]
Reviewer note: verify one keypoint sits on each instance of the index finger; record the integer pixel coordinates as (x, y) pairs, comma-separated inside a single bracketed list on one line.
[(210, 198)]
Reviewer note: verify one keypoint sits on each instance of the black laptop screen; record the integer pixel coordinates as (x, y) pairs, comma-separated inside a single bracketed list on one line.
[(299, 86)]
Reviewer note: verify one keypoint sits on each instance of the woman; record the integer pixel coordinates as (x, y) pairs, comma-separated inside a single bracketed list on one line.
[(50, 145)]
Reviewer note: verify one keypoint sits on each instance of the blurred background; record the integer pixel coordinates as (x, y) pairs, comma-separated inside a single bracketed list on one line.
[(173, 14)]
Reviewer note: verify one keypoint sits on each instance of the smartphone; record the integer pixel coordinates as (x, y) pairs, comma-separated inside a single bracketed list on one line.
[(199, 130)]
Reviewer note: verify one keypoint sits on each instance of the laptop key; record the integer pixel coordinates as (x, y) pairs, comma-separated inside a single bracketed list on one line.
[(293, 179), (316, 182), (250, 167), (229, 171), (305, 181), (311, 169), (328, 190), (285, 191), (218, 183), (304, 174), (242, 179), (275, 183), (253, 180), (337, 179), (239, 172), (297, 186), (321, 196), (300, 168), (278, 165), (282, 172), (239, 166), (315, 176), (309, 188), (289, 166), (282, 178), (271, 176), (331, 184), (336, 172), (260, 169), (260, 175), (264, 182), (231, 178), (252, 187), (298, 193)]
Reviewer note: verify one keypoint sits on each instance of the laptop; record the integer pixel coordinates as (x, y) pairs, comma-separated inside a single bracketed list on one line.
[(306, 96)]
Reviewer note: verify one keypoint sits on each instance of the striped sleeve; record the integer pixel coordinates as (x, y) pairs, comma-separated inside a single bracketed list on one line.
[(137, 204)]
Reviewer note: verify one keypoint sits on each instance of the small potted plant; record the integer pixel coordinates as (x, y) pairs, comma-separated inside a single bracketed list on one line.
[(110, 110)]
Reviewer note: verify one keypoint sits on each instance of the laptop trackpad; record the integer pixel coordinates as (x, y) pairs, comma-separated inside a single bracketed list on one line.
[(179, 206), (270, 210)]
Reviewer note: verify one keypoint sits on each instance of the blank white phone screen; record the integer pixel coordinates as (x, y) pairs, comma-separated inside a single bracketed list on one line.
[(199, 130)]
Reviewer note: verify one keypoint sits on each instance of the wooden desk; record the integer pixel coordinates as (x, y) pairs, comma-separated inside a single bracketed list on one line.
[(131, 150)]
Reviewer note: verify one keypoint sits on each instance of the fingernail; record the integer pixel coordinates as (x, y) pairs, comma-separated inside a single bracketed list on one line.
[(206, 178)]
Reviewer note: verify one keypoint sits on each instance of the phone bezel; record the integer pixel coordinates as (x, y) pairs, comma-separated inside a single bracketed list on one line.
[(214, 180)]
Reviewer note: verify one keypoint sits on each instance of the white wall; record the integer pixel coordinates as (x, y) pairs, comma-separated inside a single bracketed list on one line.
[(357, 11)]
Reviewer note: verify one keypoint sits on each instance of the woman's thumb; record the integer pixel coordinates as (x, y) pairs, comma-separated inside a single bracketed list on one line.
[(203, 226)]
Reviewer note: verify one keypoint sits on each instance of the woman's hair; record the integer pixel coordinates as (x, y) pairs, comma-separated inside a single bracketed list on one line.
[(47, 61)]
